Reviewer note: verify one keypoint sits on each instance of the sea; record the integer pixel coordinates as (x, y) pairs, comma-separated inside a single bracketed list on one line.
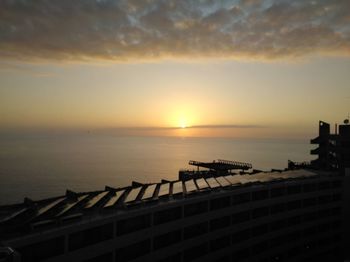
[(42, 166)]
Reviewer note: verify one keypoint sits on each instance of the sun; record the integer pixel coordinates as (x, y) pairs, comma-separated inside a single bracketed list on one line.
[(183, 123), (181, 118)]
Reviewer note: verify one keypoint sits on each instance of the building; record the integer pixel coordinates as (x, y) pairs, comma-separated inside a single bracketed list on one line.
[(290, 215), (333, 150)]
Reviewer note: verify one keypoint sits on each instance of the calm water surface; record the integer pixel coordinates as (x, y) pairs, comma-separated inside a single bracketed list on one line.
[(45, 166)]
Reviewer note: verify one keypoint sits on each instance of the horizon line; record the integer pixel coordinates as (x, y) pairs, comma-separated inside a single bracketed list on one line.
[(179, 127)]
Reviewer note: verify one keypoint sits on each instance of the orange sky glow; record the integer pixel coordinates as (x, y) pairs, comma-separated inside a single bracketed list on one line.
[(230, 69)]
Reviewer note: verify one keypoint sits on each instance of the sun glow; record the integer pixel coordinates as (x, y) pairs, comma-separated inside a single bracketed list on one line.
[(182, 113), (183, 122), (182, 118)]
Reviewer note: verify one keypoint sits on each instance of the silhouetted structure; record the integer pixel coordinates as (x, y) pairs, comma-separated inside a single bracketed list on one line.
[(298, 165), (221, 165), (216, 168), (333, 149), (290, 215)]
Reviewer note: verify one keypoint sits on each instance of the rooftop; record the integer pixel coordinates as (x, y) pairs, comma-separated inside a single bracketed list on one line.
[(50, 212), (221, 165)]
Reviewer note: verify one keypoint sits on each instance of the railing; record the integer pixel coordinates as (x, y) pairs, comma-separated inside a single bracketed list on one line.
[(236, 163)]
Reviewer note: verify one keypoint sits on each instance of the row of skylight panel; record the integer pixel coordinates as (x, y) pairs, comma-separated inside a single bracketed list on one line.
[(178, 188), (200, 184)]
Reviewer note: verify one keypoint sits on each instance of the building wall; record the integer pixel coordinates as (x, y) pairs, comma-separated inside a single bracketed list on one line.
[(346, 214), (296, 220)]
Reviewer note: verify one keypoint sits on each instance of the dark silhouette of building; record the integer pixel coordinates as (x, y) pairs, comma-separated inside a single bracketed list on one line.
[(291, 215), (333, 149)]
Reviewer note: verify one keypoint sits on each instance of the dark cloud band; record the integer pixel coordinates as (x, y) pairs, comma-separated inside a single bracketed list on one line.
[(152, 29)]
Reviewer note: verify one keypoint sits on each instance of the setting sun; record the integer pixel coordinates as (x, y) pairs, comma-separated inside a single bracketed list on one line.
[(182, 115), (183, 123)]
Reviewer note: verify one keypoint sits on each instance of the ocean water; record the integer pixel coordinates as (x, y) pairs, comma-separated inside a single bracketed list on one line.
[(40, 166)]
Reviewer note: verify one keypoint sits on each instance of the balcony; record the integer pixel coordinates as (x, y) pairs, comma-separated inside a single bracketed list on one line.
[(315, 151)]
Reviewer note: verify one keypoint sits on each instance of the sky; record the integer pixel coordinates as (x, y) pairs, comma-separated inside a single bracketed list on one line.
[(247, 68)]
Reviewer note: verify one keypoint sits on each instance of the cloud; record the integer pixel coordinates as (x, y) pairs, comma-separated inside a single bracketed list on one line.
[(153, 29)]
